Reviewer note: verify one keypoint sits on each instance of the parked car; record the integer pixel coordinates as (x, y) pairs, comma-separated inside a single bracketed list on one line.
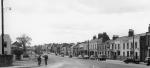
[(130, 60), (146, 59), (62, 54), (92, 57), (80, 57), (86, 57), (102, 58)]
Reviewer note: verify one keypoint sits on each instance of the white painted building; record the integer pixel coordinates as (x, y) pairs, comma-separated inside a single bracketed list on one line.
[(7, 42), (123, 47)]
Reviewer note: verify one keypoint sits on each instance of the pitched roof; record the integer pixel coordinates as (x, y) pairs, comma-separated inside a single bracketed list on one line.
[(127, 37), (17, 44)]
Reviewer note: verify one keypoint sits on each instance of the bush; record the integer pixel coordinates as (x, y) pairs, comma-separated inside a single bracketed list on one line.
[(17, 51)]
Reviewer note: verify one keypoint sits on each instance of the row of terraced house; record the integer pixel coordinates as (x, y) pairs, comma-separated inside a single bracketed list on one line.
[(133, 45)]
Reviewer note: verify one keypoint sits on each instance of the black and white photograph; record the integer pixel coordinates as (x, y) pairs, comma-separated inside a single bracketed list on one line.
[(74, 33)]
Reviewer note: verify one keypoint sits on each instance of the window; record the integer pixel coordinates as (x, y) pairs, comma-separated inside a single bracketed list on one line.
[(5, 52), (118, 46), (118, 52), (131, 53), (123, 53), (112, 46), (93, 46), (136, 55), (131, 44), (123, 45), (127, 45), (108, 52), (127, 53), (135, 44)]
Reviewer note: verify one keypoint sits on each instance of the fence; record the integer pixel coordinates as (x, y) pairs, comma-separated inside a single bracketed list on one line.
[(6, 60)]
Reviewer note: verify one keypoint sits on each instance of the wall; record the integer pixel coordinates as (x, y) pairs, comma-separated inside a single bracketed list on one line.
[(7, 49)]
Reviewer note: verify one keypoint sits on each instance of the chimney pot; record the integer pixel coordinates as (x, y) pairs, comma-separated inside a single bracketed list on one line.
[(131, 32), (115, 37)]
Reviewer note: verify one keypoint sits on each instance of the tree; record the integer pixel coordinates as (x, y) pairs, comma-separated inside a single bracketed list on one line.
[(38, 49), (18, 51), (105, 37), (24, 40)]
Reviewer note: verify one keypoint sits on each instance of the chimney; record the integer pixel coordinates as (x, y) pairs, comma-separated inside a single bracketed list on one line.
[(149, 28), (94, 37), (100, 35), (131, 32), (115, 37)]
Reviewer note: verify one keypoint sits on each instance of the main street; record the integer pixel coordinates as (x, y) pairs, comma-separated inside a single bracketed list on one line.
[(65, 62)]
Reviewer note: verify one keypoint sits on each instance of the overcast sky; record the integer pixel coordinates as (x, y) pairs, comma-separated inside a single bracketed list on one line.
[(60, 21)]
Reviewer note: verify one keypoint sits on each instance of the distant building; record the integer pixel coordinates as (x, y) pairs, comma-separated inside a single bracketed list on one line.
[(66, 48), (7, 44), (93, 44), (104, 49), (97, 45)]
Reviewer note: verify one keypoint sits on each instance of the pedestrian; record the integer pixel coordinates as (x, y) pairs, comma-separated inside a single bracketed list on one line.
[(39, 60), (45, 59)]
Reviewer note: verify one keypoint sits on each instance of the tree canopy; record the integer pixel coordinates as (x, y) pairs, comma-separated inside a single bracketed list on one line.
[(24, 40)]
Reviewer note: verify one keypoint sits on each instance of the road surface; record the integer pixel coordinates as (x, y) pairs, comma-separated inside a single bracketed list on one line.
[(65, 62)]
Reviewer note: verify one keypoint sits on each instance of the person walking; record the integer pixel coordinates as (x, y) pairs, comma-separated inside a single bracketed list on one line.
[(45, 59), (39, 60)]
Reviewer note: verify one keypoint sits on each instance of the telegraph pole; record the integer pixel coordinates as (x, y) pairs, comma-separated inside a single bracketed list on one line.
[(88, 49), (2, 15), (133, 45)]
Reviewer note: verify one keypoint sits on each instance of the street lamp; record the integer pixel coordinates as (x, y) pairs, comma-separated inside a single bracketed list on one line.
[(88, 49), (2, 15), (133, 45), (2, 24)]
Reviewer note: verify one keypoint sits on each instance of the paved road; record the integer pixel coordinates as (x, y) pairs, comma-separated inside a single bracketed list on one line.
[(65, 62)]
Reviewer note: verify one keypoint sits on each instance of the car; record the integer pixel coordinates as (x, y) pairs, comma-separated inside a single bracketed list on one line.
[(80, 57), (86, 57), (102, 58), (130, 60), (146, 59), (62, 55), (92, 57)]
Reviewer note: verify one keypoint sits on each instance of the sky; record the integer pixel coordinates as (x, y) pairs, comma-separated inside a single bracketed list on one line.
[(59, 21)]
